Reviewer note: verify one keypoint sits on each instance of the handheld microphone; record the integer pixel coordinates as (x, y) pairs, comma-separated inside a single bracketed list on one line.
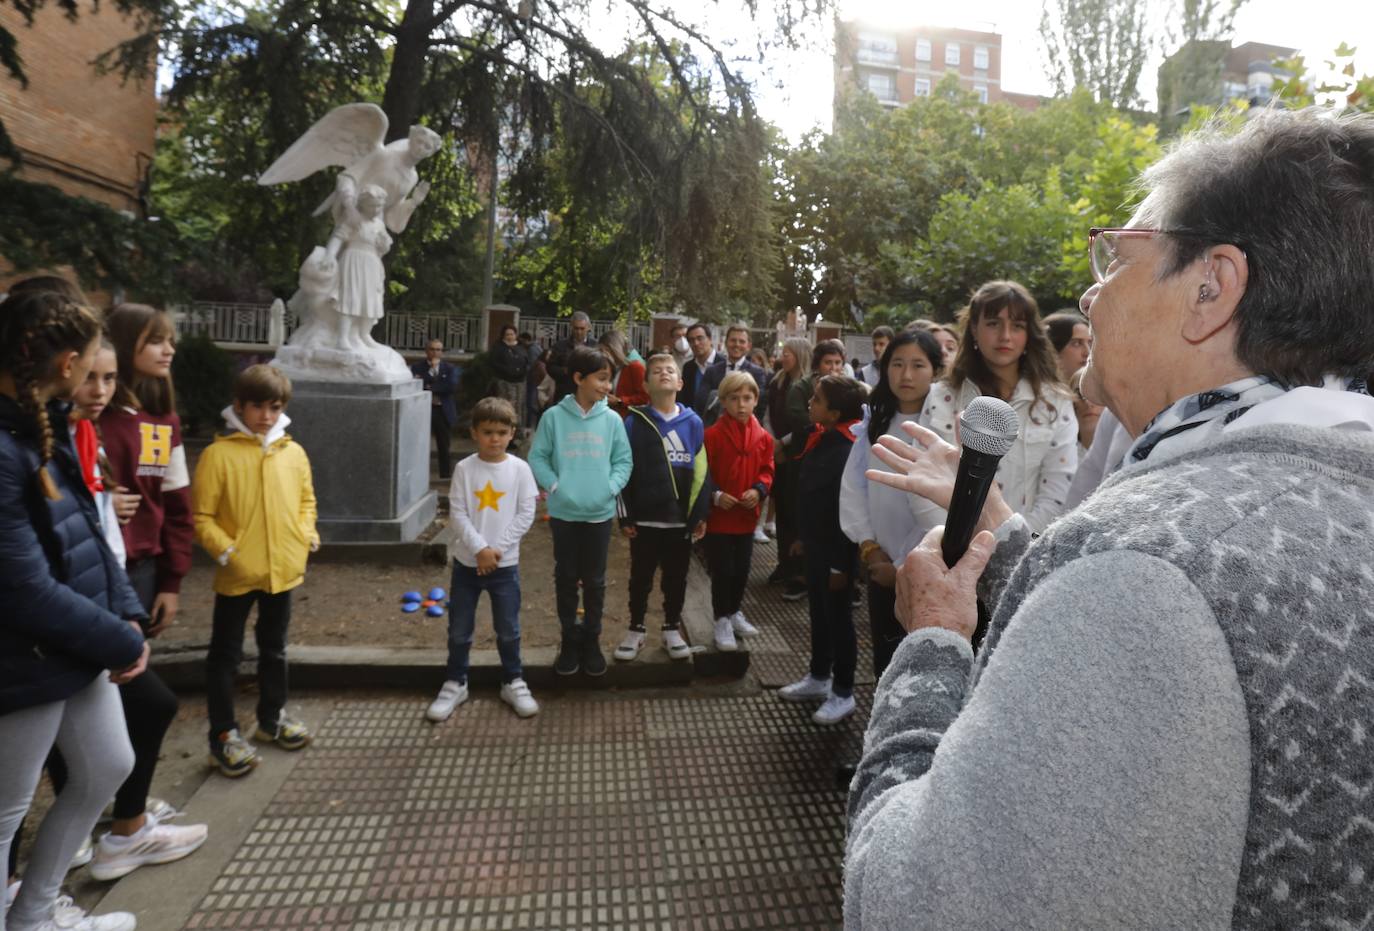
[(987, 429)]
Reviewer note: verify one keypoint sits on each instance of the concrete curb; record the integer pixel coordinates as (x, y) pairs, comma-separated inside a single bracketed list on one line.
[(182, 666)]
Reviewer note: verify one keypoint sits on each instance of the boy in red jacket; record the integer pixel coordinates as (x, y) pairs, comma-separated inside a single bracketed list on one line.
[(739, 453)]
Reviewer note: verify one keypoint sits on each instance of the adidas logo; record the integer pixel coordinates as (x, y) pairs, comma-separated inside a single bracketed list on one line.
[(677, 453)]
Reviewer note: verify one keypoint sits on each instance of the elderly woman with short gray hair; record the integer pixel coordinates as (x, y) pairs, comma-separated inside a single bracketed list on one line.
[(1170, 723)]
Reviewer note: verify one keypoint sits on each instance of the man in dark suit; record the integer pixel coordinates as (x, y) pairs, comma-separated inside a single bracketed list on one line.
[(694, 367), (561, 351), (441, 380), (737, 346)]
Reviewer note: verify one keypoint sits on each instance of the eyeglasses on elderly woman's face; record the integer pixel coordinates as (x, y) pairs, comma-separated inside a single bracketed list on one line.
[(1104, 245)]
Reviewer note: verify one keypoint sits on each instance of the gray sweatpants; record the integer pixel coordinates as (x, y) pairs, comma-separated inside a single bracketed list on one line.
[(89, 730)]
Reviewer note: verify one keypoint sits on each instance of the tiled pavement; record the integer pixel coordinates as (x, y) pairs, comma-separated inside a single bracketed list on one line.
[(682, 810)]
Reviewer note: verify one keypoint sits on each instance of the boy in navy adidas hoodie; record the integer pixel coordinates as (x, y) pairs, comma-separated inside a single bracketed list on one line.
[(663, 508)]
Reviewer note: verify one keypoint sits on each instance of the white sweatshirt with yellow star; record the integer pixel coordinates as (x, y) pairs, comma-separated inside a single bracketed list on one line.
[(491, 504)]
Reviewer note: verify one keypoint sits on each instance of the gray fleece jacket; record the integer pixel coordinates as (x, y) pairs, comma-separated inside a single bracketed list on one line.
[(1171, 724)]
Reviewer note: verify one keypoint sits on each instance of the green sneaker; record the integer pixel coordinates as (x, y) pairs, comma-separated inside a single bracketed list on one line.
[(289, 733), (232, 755)]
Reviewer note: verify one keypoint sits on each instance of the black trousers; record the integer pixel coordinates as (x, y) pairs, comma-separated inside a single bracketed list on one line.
[(226, 652), (443, 439), (882, 623), (654, 548), (579, 555), (727, 558), (784, 493), (834, 646), (149, 706)]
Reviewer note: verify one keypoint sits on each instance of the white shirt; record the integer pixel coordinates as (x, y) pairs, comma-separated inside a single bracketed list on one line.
[(1035, 473), (491, 505), (895, 519)]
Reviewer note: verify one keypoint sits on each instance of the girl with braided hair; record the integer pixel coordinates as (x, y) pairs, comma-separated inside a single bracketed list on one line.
[(70, 613)]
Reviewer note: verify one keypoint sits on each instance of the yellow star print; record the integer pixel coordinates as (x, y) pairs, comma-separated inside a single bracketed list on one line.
[(489, 497)]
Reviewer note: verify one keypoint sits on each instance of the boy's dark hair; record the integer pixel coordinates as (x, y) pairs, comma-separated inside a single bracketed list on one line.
[(882, 332), (584, 361), (825, 347), (494, 410), (843, 395), (259, 384)]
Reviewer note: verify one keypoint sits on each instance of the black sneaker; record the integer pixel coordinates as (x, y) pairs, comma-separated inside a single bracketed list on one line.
[(593, 663), (777, 576), (794, 590), (568, 663)]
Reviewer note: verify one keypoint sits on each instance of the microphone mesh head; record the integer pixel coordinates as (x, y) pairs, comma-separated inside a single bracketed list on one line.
[(989, 426)]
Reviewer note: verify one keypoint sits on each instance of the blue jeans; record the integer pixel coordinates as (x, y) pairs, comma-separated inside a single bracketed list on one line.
[(502, 586), (579, 555)]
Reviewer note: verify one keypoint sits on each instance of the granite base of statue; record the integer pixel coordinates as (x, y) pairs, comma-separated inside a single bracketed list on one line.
[(355, 407)]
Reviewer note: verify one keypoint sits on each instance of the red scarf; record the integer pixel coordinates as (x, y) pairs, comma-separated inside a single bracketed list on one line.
[(742, 436), (847, 428), (88, 451)]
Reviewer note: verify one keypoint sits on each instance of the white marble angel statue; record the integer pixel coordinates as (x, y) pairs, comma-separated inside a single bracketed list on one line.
[(342, 285)]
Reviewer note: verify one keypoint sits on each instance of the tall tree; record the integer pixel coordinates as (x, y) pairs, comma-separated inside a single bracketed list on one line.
[(1100, 45), (1200, 34)]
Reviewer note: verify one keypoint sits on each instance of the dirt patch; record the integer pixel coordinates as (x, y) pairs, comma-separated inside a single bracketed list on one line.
[(360, 605)]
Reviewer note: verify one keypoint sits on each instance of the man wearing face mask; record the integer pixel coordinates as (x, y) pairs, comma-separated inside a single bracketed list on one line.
[(678, 345)]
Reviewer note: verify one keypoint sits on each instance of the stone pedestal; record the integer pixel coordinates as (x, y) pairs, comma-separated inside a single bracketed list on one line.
[(369, 452)]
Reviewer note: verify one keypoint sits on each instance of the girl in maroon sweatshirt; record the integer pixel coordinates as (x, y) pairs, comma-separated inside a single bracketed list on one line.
[(142, 436)]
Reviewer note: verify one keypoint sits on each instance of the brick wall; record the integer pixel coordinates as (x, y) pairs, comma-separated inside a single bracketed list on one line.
[(87, 134)]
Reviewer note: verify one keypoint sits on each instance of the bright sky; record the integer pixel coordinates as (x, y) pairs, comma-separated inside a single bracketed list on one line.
[(796, 88)]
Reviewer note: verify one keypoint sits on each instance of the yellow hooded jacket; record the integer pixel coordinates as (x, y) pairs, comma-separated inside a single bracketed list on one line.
[(254, 507)]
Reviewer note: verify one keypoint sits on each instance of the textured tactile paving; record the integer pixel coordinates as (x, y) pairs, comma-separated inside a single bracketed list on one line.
[(655, 813)]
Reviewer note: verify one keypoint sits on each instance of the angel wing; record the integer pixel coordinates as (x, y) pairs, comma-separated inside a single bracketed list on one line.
[(344, 136)]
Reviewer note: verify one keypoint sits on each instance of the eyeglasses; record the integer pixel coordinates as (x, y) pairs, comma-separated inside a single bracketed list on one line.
[(1103, 243)]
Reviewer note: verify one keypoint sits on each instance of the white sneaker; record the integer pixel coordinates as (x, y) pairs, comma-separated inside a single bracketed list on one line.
[(629, 647), (12, 891), (725, 635), (761, 536), (835, 710), (771, 528), (677, 647), (83, 855), (451, 695), (742, 627), (155, 842), (806, 689), (517, 694), (67, 917)]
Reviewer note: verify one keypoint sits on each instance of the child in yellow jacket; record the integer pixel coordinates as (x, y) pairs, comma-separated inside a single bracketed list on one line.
[(254, 506)]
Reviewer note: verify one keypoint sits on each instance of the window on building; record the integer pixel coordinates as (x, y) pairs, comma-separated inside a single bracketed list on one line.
[(877, 47), (982, 92), (980, 58), (952, 53), (923, 50), (922, 87), (881, 85)]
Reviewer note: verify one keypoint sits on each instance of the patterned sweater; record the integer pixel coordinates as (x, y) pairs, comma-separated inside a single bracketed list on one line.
[(1170, 725)]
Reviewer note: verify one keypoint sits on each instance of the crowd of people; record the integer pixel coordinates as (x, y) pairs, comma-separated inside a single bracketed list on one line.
[(1175, 683)]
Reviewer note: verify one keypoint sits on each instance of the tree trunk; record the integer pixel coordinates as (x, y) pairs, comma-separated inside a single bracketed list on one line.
[(401, 99)]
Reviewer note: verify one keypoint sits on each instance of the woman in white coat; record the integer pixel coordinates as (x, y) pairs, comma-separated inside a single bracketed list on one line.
[(1005, 353)]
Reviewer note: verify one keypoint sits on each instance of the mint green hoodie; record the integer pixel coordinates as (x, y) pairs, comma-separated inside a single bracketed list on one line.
[(582, 459)]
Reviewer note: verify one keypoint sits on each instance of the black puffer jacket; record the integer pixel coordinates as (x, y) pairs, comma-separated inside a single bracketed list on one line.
[(64, 602), (510, 363)]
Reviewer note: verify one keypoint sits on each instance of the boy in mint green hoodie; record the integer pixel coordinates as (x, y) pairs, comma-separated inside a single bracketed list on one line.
[(581, 457)]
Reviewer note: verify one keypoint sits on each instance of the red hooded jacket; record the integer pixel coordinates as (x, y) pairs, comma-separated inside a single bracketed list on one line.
[(740, 457)]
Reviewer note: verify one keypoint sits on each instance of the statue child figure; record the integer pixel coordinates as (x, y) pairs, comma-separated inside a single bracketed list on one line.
[(357, 245)]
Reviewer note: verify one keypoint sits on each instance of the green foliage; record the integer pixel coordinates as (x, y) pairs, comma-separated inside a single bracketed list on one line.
[(41, 227), (204, 376), (1000, 232), (1100, 45), (475, 382), (1338, 87)]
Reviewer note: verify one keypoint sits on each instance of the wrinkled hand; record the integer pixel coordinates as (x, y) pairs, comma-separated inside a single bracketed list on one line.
[(928, 467), (931, 595), (726, 502), (750, 499), (133, 671), (125, 504), (163, 613)]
